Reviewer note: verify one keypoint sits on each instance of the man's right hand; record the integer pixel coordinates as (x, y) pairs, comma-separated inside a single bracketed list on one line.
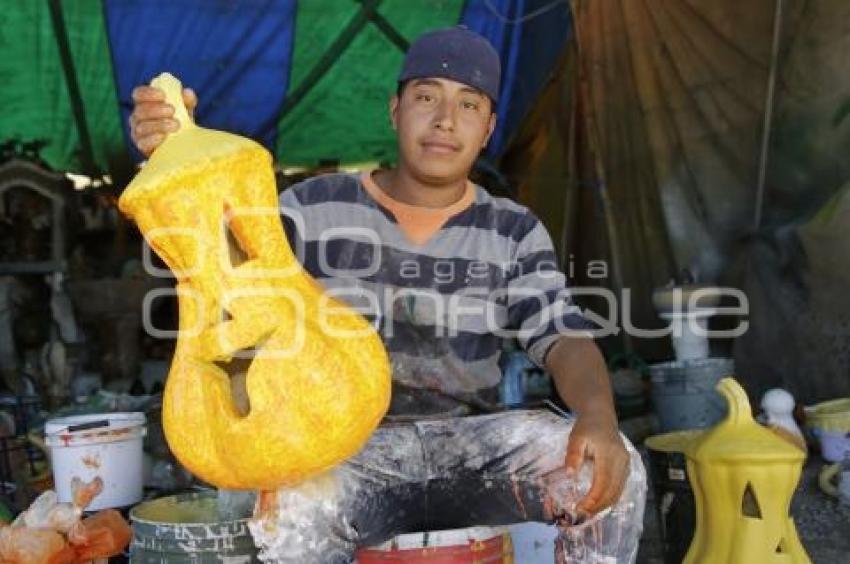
[(152, 118)]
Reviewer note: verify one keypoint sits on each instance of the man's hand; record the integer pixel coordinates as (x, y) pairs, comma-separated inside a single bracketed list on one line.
[(581, 377), (152, 118), (596, 437)]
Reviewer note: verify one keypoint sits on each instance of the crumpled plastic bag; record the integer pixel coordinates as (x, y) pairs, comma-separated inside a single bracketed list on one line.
[(600, 538), (49, 532), (47, 513), (446, 474), (102, 535), (21, 545)]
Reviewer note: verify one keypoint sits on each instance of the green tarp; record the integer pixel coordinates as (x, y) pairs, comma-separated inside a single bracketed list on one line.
[(335, 111), (34, 96), (346, 111)]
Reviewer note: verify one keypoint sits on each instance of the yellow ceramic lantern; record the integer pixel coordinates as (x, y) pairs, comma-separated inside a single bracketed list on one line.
[(743, 476), (314, 375)]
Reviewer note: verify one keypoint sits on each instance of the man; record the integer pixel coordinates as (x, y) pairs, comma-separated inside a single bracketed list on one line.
[(447, 273)]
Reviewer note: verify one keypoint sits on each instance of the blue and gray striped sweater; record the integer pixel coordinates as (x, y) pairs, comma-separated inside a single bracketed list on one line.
[(443, 308)]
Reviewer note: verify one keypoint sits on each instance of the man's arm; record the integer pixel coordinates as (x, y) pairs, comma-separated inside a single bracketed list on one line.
[(549, 324), (581, 378)]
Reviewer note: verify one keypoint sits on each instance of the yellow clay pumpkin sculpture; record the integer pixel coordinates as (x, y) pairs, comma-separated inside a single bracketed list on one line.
[(743, 476), (317, 378)]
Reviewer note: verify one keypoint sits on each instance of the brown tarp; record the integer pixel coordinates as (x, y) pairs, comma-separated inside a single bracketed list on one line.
[(645, 150)]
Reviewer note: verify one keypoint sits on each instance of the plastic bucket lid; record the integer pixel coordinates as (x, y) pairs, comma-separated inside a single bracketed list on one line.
[(94, 428)]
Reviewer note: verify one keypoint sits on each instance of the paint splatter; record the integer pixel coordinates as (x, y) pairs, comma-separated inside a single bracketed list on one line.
[(92, 462), (518, 495)]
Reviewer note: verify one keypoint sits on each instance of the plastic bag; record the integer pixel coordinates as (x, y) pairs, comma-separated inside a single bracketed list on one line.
[(21, 545), (447, 474), (104, 534), (610, 536)]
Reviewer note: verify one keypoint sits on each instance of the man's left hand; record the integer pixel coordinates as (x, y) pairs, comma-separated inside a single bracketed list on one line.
[(597, 438)]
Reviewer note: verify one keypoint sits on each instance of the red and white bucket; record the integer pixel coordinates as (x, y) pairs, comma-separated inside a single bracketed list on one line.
[(475, 545), (106, 445)]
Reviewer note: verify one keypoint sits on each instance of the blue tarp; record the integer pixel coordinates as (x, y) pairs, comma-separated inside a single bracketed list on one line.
[(530, 36), (237, 54)]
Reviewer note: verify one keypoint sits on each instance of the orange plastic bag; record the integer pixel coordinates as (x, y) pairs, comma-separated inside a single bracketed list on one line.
[(104, 534), (23, 545)]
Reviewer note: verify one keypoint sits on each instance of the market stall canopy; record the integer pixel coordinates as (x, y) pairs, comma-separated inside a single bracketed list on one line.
[(308, 79)]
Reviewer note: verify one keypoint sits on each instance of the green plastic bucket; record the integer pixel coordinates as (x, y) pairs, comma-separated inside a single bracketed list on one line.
[(188, 529)]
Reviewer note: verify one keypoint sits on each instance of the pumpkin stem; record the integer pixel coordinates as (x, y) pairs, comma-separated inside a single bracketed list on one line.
[(737, 401), (173, 89)]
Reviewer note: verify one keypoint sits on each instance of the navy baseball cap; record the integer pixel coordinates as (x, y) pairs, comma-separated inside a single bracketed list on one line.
[(455, 53)]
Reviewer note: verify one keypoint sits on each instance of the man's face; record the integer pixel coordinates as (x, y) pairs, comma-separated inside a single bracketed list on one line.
[(442, 125)]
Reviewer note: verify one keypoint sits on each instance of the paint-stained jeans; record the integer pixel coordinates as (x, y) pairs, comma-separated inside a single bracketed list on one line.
[(452, 473)]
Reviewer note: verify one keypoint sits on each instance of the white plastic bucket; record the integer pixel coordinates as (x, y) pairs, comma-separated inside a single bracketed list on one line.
[(108, 445)]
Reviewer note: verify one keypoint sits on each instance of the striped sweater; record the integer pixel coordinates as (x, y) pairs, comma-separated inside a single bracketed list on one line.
[(444, 304)]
